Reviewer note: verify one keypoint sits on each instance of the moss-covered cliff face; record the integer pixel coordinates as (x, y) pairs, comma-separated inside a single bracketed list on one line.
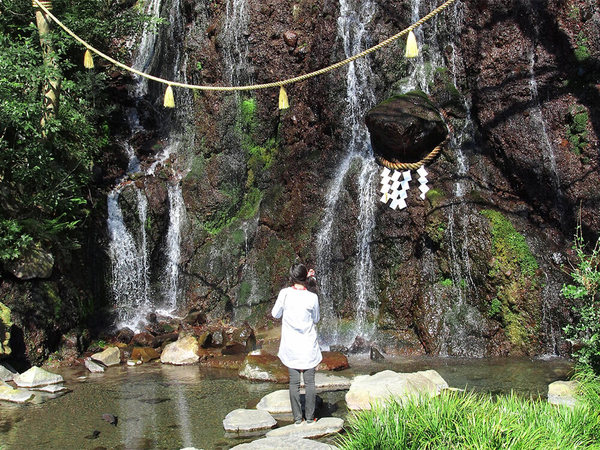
[(474, 269)]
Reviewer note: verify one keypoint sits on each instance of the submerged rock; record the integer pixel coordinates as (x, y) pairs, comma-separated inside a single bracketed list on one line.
[(248, 420), (383, 386), (261, 366), (36, 376), (183, 351), (110, 356), (144, 354), (10, 394)]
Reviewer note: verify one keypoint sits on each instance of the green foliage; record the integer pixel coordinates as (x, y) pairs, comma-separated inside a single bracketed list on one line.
[(44, 195), (582, 52), (577, 134), (475, 421), (584, 292), (495, 308), (446, 282)]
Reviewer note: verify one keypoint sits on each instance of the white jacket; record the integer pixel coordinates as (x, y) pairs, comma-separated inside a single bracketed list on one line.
[(298, 348)]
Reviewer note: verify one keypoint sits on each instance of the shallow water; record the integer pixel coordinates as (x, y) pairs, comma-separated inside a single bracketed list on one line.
[(170, 407)]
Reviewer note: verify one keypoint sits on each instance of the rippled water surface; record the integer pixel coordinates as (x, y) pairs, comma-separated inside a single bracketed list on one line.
[(170, 407)]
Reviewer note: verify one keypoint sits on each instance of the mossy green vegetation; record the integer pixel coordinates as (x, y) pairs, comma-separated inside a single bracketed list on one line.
[(478, 421), (582, 52), (577, 134), (514, 271)]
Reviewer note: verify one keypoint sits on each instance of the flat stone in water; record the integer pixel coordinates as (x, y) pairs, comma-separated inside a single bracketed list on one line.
[(248, 420), (322, 427), (36, 376), (284, 443), (51, 388), (10, 394), (325, 382)]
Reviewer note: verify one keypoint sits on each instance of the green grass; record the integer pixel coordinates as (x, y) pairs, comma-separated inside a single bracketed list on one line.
[(457, 420)]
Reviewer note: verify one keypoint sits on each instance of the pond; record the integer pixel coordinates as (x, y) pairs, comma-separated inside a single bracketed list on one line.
[(171, 407)]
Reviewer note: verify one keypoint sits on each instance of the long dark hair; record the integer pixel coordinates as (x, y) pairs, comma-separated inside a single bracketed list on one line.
[(299, 275)]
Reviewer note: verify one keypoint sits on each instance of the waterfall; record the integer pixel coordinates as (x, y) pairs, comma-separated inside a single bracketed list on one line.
[(146, 49), (130, 262), (129, 265), (235, 45), (173, 249), (360, 97)]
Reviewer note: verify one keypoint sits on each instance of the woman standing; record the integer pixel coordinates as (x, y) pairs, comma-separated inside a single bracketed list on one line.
[(299, 350)]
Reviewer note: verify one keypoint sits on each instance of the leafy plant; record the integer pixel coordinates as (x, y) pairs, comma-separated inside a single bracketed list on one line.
[(585, 332), (577, 134)]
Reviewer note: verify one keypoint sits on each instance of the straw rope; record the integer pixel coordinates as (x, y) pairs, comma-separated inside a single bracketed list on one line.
[(43, 6), (394, 164)]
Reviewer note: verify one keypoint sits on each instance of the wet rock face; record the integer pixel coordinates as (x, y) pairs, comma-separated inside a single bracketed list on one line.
[(405, 127)]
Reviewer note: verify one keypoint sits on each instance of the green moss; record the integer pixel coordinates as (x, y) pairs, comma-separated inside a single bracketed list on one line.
[(251, 204), (577, 134), (197, 168), (435, 197), (514, 272), (582, 52), (446, 282), (245, 291), (510, 247), (54, 298)]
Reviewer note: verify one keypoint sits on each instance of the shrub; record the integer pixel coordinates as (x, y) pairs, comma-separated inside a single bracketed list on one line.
[(584, 333)]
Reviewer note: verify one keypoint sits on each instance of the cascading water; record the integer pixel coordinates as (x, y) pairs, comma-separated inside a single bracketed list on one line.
[(235, 45), (173, 250), (352, 24), (129, 250), (129, 265)]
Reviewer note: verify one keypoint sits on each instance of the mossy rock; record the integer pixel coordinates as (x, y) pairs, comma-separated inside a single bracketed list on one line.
[(5, 324)]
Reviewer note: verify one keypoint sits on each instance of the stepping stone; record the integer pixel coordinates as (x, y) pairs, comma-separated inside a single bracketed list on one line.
[(92, 366), (51, 388), (36, 376), (277, 402), (322, 427), (325, 382), (110, 356), (563, 393), (6, 372), (284, 443), (243, 420), (10, 394)]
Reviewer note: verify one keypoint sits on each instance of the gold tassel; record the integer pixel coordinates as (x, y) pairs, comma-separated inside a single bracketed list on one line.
[(88, 61), (169, 99), (412, 49), (283, 99)]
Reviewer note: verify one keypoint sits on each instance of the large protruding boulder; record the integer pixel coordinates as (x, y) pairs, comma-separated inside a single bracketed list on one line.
[(406, 127), (383, 386), (110, 356), (183, 351)]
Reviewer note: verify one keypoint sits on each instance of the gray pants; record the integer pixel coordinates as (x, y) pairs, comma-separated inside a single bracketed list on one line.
[(310, 396)]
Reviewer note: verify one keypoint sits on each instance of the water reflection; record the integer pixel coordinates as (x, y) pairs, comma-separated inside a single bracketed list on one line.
[(171, 407)]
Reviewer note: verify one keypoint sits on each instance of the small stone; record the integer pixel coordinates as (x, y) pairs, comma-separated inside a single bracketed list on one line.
[(133, 362), (290, 38), (375, 355), (111, 356), (92, 366), (248, 420), (36, 376), (144, 354)]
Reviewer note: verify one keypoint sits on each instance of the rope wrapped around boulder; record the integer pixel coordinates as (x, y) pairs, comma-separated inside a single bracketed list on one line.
[(394, 164)]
